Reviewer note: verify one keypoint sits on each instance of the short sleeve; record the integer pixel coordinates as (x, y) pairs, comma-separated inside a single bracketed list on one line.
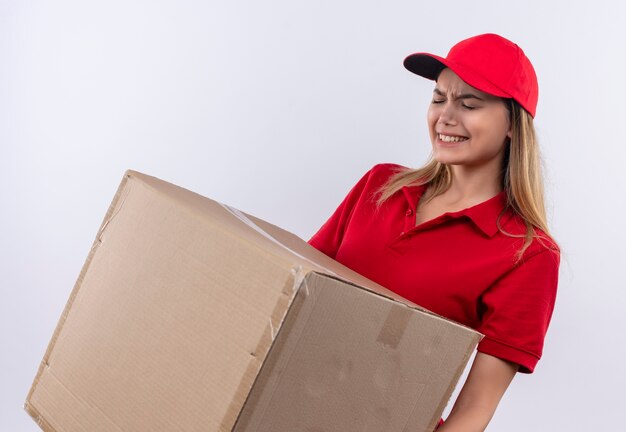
[(516, 310), (328, 238)]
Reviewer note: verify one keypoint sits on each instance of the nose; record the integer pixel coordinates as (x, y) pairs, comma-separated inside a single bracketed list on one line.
[(447, 115)]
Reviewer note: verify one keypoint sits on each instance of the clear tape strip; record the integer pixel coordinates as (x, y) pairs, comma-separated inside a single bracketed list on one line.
[(242, 217), (298, 278)]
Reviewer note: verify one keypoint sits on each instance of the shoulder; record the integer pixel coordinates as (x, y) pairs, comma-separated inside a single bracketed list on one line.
[(542, 243), (373, 181), (384, 171), (377, 177), (544, 247), (387, 168)]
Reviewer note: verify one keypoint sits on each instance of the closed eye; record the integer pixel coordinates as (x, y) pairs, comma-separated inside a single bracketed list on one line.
[(457, 97)]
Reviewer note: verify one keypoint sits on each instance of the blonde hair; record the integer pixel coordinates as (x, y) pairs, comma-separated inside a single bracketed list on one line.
[(522, 180)]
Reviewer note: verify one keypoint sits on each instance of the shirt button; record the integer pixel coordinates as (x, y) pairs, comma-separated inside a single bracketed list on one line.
[(409, 212)]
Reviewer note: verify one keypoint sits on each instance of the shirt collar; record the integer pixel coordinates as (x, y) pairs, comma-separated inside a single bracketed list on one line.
[(484, 215)]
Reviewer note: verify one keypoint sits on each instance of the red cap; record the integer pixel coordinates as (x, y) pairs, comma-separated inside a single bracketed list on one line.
[(487, 62)]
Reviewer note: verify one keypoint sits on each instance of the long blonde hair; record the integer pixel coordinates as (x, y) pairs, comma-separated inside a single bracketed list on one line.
[(522, 180)]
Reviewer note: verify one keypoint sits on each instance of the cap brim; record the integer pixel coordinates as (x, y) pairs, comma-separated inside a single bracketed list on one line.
[(430, 66), (425, 64)]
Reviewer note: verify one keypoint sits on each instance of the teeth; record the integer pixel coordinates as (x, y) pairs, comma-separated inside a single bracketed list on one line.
[(447, 138)]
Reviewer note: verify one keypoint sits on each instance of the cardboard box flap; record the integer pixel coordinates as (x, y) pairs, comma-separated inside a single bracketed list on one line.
[(227, 218), (268, 237)]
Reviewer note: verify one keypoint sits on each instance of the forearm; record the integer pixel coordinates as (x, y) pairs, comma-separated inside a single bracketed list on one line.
[(488, 379)]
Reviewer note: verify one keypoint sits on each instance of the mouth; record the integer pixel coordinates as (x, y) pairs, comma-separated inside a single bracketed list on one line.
[(451, 138)]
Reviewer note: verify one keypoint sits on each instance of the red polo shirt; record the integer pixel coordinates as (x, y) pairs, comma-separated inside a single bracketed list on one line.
[(458, 265)]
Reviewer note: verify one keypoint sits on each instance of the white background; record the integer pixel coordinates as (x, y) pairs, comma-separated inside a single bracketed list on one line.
[(277, 108)]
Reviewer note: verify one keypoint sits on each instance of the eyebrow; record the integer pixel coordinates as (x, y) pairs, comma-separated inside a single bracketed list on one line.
[(460, 96)]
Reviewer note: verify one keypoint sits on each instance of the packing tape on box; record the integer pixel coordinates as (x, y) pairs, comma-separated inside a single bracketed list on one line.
[(242, 217), (395, 325)]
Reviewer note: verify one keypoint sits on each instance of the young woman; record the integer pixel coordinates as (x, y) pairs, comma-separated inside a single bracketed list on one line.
[(465, 235)]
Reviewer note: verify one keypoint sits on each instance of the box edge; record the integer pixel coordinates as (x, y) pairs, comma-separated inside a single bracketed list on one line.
[(28, 406)]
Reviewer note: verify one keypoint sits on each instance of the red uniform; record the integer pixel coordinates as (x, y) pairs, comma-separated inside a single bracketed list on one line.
[(458, 265)]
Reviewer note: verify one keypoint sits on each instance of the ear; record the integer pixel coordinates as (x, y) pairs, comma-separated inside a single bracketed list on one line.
[(509, 106)]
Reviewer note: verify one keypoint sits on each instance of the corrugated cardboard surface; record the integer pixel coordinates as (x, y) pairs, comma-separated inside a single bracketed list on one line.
[(176, 309), (375, 366)]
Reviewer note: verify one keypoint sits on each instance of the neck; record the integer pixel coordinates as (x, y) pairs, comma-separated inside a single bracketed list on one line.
[(474, 184)]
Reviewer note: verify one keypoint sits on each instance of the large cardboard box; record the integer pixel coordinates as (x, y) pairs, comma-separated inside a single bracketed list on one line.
[(189, 315)]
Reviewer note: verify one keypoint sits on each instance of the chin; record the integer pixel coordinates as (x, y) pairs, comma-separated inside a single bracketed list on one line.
[(450, 162), (447, 159)]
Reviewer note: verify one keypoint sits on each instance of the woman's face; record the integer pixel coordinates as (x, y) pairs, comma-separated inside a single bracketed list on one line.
[(467, 126)]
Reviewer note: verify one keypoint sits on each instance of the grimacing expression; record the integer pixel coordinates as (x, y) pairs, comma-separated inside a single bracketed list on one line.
[(467, 126)]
